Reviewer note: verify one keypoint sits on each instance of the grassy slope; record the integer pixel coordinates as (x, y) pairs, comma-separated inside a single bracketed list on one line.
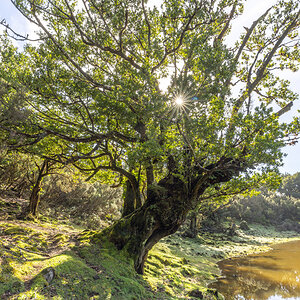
[(177, 268)]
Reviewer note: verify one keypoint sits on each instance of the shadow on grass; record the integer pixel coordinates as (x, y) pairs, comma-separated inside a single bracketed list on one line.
[(86, 272), (9, 284)]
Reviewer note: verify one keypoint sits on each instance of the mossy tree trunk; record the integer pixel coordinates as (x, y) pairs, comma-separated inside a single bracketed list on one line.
[(165, 209), (34, 199), (193, 223), (132, 199), (161, 215)]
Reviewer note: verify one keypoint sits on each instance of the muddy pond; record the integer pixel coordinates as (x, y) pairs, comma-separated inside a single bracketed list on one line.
[(271, 275)]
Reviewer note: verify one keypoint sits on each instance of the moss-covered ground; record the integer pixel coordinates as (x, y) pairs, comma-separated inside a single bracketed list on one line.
[(177, 267)]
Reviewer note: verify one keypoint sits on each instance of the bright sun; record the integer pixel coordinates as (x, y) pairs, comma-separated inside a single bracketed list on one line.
[(179, 100)]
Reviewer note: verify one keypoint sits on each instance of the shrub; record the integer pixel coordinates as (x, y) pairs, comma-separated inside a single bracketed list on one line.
[(90, 204)]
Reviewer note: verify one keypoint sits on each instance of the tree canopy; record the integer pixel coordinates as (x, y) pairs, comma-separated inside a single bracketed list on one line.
[(91, 94)]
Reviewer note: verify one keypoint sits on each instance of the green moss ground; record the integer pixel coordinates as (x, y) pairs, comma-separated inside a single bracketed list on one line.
[(177, 267)]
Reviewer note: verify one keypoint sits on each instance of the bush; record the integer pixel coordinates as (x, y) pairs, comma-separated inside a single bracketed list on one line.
[(289, 225), (89, 204), (266, 208), (281, 206)]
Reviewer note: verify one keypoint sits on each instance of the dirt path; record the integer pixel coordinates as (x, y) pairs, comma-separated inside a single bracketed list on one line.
[(21, 237)]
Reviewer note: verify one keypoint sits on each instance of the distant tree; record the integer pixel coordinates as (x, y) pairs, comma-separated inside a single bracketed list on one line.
[(290, 185), (92, 85), (267, 207), (44, 169)]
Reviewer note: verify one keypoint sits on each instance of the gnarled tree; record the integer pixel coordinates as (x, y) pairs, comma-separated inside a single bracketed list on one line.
[(94, 85)]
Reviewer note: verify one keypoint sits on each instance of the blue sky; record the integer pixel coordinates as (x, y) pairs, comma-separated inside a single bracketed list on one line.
[(253, 9)]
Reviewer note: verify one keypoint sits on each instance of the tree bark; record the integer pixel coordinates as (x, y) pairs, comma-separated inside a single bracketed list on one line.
[(34, 199), (161, 215), (164, 210), (193, 224), (132, 199)]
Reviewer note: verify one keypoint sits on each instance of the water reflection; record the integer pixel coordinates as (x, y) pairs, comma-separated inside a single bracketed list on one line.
[(272, 275)]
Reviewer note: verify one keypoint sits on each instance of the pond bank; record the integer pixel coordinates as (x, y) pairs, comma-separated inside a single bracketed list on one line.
[(201, 257), (272, 274)]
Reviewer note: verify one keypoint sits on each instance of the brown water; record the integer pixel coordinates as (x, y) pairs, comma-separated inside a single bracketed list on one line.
[(271, 275)]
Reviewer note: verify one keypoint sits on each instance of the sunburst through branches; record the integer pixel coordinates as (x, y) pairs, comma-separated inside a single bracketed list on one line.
[(182, 102)]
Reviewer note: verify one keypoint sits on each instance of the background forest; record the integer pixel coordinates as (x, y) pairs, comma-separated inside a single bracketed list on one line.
[(67, 195)]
